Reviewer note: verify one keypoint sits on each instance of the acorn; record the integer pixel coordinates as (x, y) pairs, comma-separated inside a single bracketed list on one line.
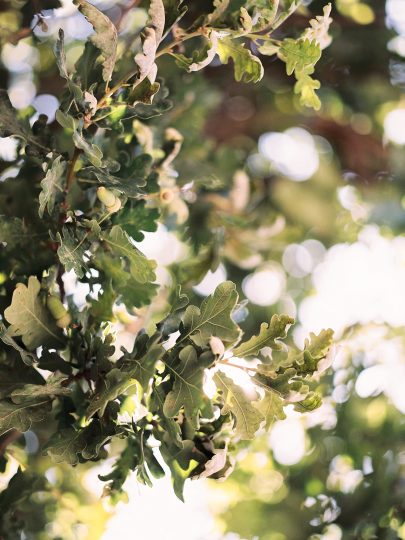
[(110, 201), (59, 312)]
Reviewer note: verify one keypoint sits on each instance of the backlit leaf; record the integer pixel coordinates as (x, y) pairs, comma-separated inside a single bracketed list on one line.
[(247, 67), (30, 319), (214, 317), (269, 333), (247, 417)]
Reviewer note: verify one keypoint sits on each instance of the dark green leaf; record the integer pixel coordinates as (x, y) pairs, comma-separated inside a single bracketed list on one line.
[(141, 269), (137, 218), (22, 416)]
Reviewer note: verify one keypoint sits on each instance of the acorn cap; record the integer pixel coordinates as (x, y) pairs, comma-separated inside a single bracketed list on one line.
[(114, 207), (64, 321)]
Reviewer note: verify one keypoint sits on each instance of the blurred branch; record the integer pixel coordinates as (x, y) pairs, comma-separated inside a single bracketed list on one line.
[(9, 438)]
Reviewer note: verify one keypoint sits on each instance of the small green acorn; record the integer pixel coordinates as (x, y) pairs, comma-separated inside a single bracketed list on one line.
[(110, 201), (59, 312)]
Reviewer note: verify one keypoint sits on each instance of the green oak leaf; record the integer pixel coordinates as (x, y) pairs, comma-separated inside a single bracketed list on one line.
[(268, 48), (306, 86), (271, 407), (101, 309), (52, 387), (137, 219), (52, 186), (131, 292), (60, 54), (141, 362), (66, 445), (187, 389), (247, 417), (92, 151), (269, 333), (315, 349), (299, 54), (180, 462), (113, 385), (126, 462), (312, 401), (142, 93), (247, 67), (105, 37), (172, 430), (30, 319), (87, 70), (96, 435), (133, 458), (134, 181), (141, 268), (66, 120), (213, 318), (71, 252), (283, 382), (149, 106), (22, 416)]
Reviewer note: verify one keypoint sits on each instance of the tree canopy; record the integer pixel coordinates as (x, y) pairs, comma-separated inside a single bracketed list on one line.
[(147, 217)]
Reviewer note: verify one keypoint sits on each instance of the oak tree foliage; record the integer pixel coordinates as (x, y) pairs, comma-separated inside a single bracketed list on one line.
[(90, 188)]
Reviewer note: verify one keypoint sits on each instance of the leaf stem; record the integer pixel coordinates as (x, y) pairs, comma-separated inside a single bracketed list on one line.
[(244, 368)]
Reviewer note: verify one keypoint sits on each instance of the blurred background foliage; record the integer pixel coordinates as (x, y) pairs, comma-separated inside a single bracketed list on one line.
[(306, 214)]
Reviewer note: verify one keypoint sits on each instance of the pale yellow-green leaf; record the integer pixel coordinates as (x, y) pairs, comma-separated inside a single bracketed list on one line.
[(247, 417), (269, 333), (30, 319), (247, 67)]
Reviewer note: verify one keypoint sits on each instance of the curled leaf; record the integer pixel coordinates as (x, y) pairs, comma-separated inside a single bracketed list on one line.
[(105, 37)]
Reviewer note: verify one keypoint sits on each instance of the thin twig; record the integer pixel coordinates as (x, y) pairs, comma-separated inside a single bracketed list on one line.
[(71, 172)]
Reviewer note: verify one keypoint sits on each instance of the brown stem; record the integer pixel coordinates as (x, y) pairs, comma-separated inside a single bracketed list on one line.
[(60, 283), (71, 172)]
